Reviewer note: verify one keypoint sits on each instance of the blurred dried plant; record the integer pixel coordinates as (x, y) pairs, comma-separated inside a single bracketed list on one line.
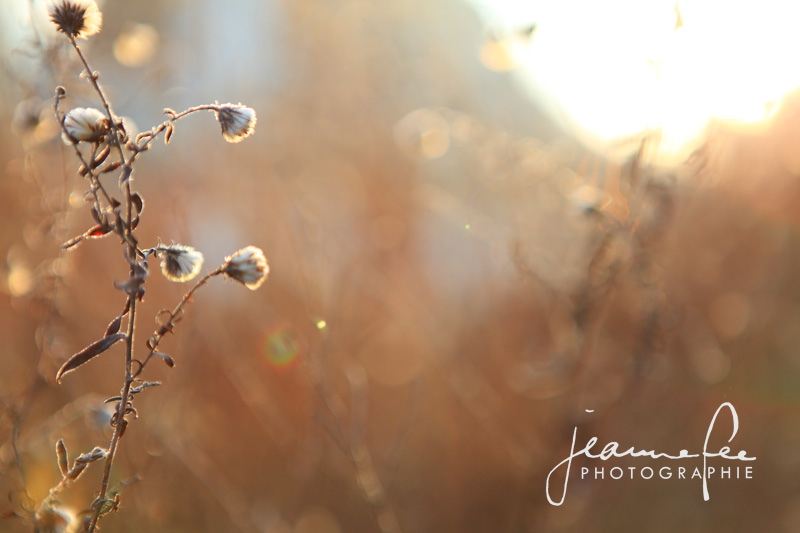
[(100, 142)]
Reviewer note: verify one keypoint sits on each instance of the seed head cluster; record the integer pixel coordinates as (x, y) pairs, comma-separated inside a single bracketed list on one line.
[(180, 263), (84, 124), (247, 266), (237, 121), (77, 18)]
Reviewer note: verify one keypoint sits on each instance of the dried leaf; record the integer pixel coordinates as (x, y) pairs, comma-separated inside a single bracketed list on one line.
[(98, 231), (101, 157), (132, 285), (111, 167), (167, 359), (145, 385), (129, 286), (113, 326), (168, 134), (88, 353), (126, 173), (138, 202), (63, 460), (72, 242), (93, 233), (108, 505)]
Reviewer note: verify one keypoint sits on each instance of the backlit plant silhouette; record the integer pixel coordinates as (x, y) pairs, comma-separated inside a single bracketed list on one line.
[(101, 143)]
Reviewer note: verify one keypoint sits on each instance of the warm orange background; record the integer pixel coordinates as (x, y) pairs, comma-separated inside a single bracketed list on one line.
[(426, 211)]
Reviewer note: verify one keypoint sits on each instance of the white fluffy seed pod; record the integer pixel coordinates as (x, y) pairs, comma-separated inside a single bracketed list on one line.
[(84, 124), (237, 121), (78, 18), (247, 266), (180, 263)]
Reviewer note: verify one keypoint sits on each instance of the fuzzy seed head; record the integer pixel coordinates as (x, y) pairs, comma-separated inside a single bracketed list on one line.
[(247, 266), (52, 519), (180, 263), (78, 18), (237, 121), (84, 124)]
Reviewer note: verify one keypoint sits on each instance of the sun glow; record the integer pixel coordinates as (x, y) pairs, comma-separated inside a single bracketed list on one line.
[(618, 69)]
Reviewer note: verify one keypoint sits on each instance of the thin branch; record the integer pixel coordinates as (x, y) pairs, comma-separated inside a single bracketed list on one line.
[(163, 330), (92, 75)]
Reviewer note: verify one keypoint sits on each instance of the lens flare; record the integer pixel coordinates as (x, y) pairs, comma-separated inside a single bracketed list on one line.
[(282, 347)]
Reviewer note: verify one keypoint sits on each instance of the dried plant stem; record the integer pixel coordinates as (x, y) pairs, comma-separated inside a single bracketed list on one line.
[(119, 427), (106, 104), (149, 136), (178, 310), (248, 265), (127, 232), (94, 180)]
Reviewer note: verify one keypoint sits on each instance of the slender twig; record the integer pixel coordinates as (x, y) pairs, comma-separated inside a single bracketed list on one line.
[(94, 180), (163, 330), (144, 139), (247, 265), (112, 118), (127, 231)]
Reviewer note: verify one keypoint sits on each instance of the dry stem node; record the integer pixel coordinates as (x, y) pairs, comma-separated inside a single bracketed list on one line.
[(76, 18)]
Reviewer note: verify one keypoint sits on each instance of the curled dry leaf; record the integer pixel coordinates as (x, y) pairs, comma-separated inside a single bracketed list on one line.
[(138, 202), (92, 233), (63, 460), (114, 165), (167, 359), (113, 326), (132, 285), (88, 353), (143, 386), (100, 158)]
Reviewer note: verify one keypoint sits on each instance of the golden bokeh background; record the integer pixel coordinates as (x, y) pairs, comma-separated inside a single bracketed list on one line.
[(455, 280)]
